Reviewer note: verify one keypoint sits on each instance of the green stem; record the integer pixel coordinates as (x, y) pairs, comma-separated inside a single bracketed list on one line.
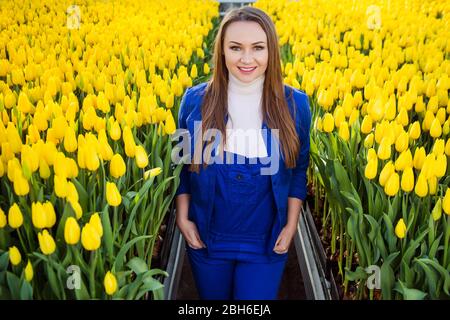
[(93, 263)]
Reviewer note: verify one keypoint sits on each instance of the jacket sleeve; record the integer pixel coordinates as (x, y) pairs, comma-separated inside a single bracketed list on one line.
[(183, 113), (299, 179)]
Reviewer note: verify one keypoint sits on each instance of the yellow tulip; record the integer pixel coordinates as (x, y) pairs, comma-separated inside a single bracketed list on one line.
[(402, 117), (21, 186), (110, 283), (152, 173), (29, 272), (169, 125), (368, 141), (339, 116), (407, 183), (72, 192), (115, 132), (328, 122), (404, 160), (60, 186), (194, 72), (344, 132), (141, 157), (432, 185), (384, 149), (117, 166), (366, 126), (15, 217), (401, 144), (38, 216), (112, 194), (446, 202), (206, 68), (400, 229), (24, 104), (385, 173), (436, 213), (76, 208), (71, 231), (427, 121), (435, 129), (50, 215), (46, 242), (419, 158), (371, 169), (14, 256), (90, 239), (440, 166), (70, 141), (438, 147), (447, 147), (96, 223), (2, 219), (392, 185), (421, 188)]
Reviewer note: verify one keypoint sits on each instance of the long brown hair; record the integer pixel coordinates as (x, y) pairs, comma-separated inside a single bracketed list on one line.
[(274, 105)]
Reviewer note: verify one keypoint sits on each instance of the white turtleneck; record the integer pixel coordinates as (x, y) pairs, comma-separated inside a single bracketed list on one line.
[(244, 123)]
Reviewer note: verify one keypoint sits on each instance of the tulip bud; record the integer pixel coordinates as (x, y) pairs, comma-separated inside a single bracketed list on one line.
[(401, 144), (402, 117), (15, 217), (46, 242), (368, 141), (38, 216), (447, 147), (392, 185), (404, 160), (419, 158), (436, 129), (436, 213), (110, 283), (385, 173), (71, 231), (366, 126), (438, 147), (96, 223), (76, 208), (90, 239), (112, 194), (44, 170), (50, 215), (152, 173), (60, 185), (14, 256), (117, 166), (2, 219), (421, 188), (141, 157), (407, 179), (328, 122), (29, 272), (432, 185), (206, 69), (21, 186), (414, 130), (70, 141), (169, 126), (440, 166), (371, 169), (400, 229), (115, 132), (446, 202), (384, 149), (193, 72)]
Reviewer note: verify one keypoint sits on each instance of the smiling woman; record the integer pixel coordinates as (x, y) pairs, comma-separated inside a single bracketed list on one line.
[(238, 222)]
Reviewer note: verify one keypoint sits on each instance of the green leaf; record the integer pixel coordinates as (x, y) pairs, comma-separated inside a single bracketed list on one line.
[(387, 276), (4, 260), (118, 264), (26, 291), (358, 274), (138, 265), (13, 284), (107, 233), (409, 294)]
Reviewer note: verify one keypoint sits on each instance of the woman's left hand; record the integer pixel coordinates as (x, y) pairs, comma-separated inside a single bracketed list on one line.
[(284, 239)]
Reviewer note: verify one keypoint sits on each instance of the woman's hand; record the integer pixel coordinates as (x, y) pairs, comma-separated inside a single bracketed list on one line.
[(284, 239), (190, 233)]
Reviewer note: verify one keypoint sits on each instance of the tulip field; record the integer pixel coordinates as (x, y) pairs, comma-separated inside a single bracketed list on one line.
[(85, 172), (377, 74), (89, 96)]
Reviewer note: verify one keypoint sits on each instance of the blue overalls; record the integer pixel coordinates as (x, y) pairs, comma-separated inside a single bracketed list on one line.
[(237, 266)]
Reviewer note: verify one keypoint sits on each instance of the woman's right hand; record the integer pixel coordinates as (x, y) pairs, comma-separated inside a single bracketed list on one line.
[(190, 233)]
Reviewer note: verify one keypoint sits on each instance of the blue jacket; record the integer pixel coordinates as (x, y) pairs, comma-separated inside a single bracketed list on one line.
[(285, 182)]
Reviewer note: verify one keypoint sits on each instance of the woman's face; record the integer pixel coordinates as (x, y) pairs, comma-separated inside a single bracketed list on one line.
[(245, 50)]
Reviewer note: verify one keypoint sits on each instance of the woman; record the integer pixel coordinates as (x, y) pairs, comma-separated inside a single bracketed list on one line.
[(238, 202)]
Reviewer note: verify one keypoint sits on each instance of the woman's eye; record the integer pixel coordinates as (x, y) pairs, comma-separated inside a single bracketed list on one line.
[(259, 47), (232, 48)]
